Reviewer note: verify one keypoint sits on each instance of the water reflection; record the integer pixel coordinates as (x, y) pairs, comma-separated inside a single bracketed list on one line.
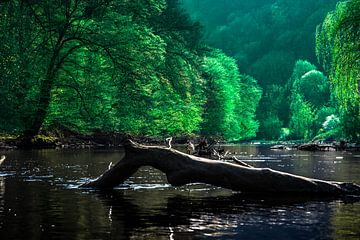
[(234, 216), (39, 204), (344, 224), (339, 166), (2, 200)]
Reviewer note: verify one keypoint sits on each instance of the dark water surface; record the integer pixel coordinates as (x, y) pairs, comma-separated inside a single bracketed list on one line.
[(39, 199)]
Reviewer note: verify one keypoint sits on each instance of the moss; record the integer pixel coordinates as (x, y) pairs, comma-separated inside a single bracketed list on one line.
[(7, 137), (42, 140)]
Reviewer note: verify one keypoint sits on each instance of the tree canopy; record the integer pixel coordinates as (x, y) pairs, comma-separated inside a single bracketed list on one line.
[(338, 49), (227, 69), (135, 67)]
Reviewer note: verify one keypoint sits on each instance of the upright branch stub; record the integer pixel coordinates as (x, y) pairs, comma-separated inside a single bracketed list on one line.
[(181, 169)]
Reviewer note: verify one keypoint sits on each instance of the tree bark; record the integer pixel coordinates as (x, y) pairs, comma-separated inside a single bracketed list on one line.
[(46, 85), (181, 169)]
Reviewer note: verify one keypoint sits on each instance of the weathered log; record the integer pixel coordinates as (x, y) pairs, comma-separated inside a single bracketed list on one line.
[(181, 169)]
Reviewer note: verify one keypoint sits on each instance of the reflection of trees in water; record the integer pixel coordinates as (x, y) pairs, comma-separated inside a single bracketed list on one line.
[(43, 209), (61, 165), (184, 217), (2, 198), (161, 214), (38, 210), (346, 220), (2, 188)]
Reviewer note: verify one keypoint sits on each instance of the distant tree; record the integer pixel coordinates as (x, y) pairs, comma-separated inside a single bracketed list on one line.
[(310, 94), (302, 118), (222, 90), (231, 99), (314, 87), (271, 127), (265, 37), (274, 106), (301, 67), (246, 106)]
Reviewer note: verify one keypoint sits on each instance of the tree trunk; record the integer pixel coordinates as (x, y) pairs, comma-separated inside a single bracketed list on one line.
[(182, 169), (43, 103), (40, 113)]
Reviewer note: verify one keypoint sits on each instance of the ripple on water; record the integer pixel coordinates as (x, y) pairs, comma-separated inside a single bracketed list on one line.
[(143, 186), (7, 174)]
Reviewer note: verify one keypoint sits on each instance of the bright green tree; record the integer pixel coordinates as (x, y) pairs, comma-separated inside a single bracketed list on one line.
[(310, 94), (338, 48), (231, 99), (302, 118), (75, 47), (265, 37), (135, 67)]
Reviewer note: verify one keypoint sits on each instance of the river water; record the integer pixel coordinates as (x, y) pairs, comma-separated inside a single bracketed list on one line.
[(39, 199)]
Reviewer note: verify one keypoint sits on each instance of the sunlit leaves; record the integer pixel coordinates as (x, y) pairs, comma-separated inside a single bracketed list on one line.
[(302, 118), (314, 87), (231, 99), (265, 37), (338, 48), (310, 94), (135, 67)]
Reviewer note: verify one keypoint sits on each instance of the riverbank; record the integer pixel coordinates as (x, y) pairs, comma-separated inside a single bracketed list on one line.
[(115, 140), (78, 141)]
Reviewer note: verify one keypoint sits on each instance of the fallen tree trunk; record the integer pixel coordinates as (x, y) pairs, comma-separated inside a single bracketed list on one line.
[(181, 169)]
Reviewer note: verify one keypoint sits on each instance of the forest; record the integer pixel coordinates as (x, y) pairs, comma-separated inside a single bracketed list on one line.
[(287, 70), (304, 55)]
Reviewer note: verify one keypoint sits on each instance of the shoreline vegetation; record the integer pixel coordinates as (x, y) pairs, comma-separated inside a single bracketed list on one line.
[(151, 68), (116, 140)]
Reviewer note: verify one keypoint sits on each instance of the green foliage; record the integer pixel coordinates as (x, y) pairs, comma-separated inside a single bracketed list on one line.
[(302, 118), (338, 48), (350, 123), (310, 94), (252, 30), (285, 133), (272, 126), (179, 96), (314, 87), (328, 124), (273, 68), (265, 37), (141, 67), (231, 99), (322, 115), (136, 67), (300, 69), (276, 104), (246, 106)]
